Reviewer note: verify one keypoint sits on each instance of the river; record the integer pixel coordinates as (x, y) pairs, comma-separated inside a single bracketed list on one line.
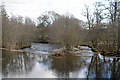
[(35, 62)]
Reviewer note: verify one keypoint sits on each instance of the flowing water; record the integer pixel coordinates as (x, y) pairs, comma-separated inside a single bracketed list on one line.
[(35, 62)]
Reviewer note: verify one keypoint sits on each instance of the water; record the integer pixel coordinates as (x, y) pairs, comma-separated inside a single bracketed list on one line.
[(36, 63)]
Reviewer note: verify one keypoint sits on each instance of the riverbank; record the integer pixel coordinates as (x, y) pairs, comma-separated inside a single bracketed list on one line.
[(15, 46), (61, 51), (73, 51), (19, 50), (103, 52)]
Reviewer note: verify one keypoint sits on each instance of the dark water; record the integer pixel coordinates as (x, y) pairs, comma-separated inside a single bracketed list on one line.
[(36, 63)]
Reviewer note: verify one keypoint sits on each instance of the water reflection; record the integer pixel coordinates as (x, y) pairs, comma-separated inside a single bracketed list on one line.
[(16, 63), (104, 68), (62, 67), (37, 65)]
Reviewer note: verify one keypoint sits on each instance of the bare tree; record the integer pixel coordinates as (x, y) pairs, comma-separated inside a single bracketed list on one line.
[(16, 33), (90, 19), (66, 31), (44, 21)]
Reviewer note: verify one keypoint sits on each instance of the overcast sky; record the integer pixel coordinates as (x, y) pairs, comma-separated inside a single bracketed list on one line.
[(34, 8)]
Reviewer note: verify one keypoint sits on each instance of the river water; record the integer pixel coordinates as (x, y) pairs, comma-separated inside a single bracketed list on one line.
[(35, 62)]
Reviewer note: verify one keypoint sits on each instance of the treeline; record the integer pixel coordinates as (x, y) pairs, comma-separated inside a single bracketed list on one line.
[(17, 32), (104, 27), (100, 31), (65, 30)]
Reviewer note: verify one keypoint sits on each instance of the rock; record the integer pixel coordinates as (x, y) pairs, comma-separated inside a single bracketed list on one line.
[(75, 49), (78, 47)]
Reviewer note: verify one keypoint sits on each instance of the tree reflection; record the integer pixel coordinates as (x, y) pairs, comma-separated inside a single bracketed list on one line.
[(16, 63), (63, 66), (104, 68)]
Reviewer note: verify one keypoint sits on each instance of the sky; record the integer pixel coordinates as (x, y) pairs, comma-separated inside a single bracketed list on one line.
[(34, 8)]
